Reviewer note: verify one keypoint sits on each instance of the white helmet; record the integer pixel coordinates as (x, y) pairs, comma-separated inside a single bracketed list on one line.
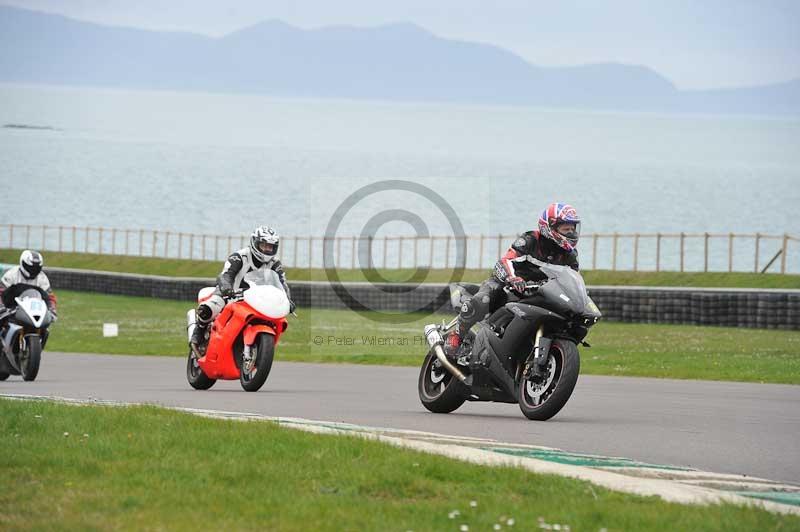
[(30, 263), (264, 243)]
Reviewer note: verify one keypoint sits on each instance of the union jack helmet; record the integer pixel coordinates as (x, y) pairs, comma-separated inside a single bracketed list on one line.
[(555, 215)]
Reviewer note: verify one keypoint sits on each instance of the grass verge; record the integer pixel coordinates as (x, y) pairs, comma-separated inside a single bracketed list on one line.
[(197, 268), (102, 468), (157, 327)]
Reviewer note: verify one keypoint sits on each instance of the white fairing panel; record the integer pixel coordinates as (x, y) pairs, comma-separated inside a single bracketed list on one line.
[(205, 292), (34, 307), (267, 300)]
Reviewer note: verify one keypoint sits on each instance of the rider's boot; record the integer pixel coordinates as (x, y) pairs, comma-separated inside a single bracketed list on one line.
[(199, 339)]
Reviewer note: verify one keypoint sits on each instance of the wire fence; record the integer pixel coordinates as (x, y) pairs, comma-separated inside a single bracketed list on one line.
[(682, 252)]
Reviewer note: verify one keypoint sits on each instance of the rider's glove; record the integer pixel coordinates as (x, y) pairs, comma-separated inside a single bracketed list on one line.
[(227, 292), (517, 284)]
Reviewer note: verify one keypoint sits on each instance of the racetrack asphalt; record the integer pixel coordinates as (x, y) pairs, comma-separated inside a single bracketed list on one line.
[(724, 427)]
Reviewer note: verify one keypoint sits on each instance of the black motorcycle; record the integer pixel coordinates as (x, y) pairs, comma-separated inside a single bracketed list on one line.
[(24, 332), (526, 352)]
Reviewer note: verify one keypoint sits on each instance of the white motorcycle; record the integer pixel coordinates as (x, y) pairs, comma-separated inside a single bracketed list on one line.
[(23, 334)]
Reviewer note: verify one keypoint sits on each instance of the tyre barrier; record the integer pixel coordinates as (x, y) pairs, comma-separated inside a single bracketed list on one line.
[(726, 307)]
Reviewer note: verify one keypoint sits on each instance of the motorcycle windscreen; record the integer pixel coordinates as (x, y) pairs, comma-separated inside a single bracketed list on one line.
[(567, 285), (266, 293)]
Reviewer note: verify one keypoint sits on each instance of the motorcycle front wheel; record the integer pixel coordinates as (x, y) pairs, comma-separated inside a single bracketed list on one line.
[(30, 357), (438, 390), (194, 374), (541, 398), (264, 348)]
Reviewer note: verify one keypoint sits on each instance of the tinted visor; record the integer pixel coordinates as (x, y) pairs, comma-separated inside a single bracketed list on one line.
[(31, 270)]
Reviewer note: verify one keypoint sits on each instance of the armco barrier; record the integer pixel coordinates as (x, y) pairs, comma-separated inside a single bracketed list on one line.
[(761, 308)]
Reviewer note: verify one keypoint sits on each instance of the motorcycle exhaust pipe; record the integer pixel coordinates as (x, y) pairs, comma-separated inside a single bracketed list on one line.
[(191, 323), (435, 340)]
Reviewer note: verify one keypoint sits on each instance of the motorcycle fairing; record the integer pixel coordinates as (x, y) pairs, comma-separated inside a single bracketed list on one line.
[(253, 330), (231, 322)]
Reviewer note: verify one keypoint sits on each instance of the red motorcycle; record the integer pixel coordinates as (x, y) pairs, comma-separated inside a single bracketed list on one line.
[(243, 337)]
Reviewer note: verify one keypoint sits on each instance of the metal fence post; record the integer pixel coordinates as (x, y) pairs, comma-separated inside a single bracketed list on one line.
[(310, 251), (447, 253), (730, 252), (114, 241), (141, 242), (203, 247), (86, 241), (480, 253), (60, 236), (400, 253), (216, 246), (44, 239), (683, 239), (73, 239), (180, 245), (100, 241), (705, 252), (594, 251), (352, 252), (431, 250), (155, 241), (370, 239), (416, 247), (784, 250), (614, 247), (11, 236), (385, 246), (658, 252), (636, 252), (758, 242)]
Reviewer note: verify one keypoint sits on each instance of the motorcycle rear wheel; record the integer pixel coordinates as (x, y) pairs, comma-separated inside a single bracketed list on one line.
[(439, 391), (194, 374), (30, 357), (265, 354), (540, 401)]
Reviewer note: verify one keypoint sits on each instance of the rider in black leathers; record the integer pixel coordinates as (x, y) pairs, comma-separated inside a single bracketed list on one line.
[(554, 242)]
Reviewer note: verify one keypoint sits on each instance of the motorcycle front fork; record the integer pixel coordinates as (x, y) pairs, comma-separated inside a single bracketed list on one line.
[(247, 358)]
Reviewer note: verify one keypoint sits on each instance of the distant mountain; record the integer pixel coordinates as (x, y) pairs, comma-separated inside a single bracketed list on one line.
[(392, 62)]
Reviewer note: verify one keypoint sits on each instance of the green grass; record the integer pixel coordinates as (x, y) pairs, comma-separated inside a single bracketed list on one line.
[(102, 468), (157, 327), (197, 268)]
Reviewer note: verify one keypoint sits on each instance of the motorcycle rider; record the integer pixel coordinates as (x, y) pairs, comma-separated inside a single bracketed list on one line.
[(28, 273), (259, 255), (554, 241)]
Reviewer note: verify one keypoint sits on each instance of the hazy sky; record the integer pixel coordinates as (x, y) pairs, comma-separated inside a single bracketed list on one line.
[(694, 43)]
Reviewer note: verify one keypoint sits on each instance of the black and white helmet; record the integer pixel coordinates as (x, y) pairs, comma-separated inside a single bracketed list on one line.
[(264, 243), (30, 263)]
